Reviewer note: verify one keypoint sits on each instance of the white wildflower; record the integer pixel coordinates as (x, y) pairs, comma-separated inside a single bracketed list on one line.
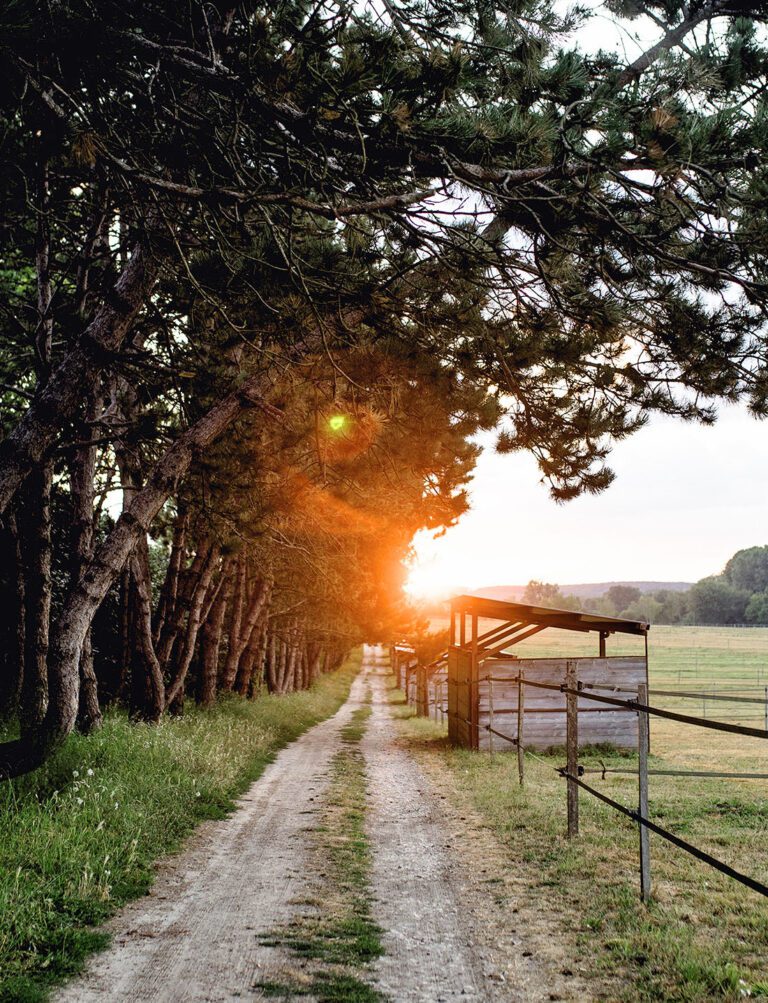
[(79, 800), (90, 772), (75, 773)]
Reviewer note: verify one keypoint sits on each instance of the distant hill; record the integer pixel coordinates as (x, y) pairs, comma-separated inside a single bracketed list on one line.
[(584, 590)]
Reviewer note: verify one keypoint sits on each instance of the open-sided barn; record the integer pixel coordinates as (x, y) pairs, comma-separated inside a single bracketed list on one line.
[(484, 680)]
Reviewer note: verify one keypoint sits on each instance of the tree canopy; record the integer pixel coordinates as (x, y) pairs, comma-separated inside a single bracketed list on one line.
[(268, 269)]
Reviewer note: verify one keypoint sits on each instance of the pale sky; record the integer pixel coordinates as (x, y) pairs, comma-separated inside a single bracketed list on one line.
[(685, 498)]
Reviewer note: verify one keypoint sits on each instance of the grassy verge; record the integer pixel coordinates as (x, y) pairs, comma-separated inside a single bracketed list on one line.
[(79, 837), (703, 936), (336, 937)]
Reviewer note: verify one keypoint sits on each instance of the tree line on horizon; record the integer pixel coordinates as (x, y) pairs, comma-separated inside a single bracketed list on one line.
[(738, 595), (265, 270)]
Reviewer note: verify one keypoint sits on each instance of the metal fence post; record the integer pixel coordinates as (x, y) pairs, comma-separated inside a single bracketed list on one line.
[(572, 747), (520, 719), (642, 774)]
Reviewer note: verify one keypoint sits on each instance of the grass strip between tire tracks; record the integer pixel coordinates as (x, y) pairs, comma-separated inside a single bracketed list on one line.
[(336, 938)]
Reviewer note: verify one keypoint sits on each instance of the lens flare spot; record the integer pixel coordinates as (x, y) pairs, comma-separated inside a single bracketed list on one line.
[(337, 422)]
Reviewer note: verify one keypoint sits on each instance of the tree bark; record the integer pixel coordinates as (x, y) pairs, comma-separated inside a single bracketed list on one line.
[(147, 700), (82, 471), (245, 626), (34, 514), (210, 642), (82, 602), (34, 518), (169, 596), (249, 658), (271, 667), (126, 633), (14, 625), (59, 400), (174, 619), (175, 689)]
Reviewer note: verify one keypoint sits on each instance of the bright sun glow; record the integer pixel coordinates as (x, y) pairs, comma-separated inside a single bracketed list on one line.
[(337, 422), (430, 576)]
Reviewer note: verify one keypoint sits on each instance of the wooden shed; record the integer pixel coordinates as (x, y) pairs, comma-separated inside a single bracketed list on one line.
[(482, 676)]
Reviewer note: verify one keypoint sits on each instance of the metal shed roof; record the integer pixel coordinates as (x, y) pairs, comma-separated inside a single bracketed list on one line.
[(544, 616)]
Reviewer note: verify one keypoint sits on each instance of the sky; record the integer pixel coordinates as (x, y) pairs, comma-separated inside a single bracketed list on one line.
[(685, 498)]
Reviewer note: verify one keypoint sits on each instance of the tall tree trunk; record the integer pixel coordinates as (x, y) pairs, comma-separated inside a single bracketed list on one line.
[(282, 663), (126, 634), (34, 514), (245, 625), (314, 654), (173, 621), (258, 674), (249, 660), (272, 666), (34, 518), (59, 401), (15, 622), (147, 694), (82, 471), (235, 624), (210, 642), (81, 603), (175, 688), (169, 595)]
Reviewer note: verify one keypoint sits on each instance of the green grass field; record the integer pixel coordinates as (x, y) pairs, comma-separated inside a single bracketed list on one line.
[(704, 936)]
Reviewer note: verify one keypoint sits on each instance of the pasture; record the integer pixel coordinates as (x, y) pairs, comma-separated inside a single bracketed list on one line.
[(703, 936)]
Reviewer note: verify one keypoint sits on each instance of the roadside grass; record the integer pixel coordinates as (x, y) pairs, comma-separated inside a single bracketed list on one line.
[(338, 933), (79, 837), (703, 936)]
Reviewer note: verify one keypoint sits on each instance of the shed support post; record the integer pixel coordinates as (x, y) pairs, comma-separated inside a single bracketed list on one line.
[(642, 772), (603, 637), (520, 719), (422, 693), (490, 716), (474, 690), (572, 746)]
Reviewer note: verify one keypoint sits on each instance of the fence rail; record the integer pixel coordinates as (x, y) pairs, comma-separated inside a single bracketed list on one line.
[(573, 772)]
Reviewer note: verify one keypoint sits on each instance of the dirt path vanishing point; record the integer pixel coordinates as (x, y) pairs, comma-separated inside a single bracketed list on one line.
[(202, 933)]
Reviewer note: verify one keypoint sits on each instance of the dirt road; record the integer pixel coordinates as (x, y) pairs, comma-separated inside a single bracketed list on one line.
[(202, 933)]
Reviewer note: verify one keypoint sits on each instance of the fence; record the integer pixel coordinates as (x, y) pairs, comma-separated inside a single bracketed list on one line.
[(573, 772)]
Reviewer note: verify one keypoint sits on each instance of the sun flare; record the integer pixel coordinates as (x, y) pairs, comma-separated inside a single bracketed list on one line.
[(431, 573)]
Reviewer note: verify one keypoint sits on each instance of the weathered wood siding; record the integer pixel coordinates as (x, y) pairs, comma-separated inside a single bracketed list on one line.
[(437, 691), (459, 665), (410, 679), (544, 723)]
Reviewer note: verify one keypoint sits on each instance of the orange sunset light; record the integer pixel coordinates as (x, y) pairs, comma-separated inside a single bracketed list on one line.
[(434, 572)]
